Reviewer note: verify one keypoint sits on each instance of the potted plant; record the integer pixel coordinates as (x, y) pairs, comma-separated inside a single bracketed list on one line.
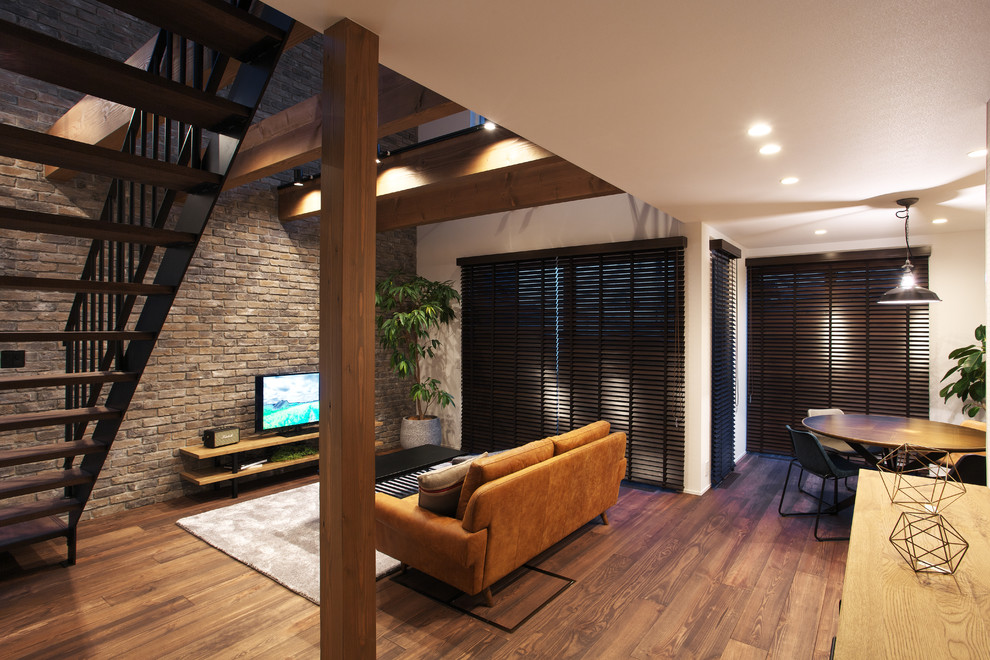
[(970, 371), (410, 309)]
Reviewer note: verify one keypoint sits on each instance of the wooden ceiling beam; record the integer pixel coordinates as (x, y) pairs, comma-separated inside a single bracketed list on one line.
[(536, 183), (404, 104), (277, 143), (298, 202), (103, 123), (451, 158), (280, 142), (468, 175), (292, 137)]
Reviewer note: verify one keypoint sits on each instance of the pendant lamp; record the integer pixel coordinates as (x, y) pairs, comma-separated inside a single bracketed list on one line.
[(908, 293)]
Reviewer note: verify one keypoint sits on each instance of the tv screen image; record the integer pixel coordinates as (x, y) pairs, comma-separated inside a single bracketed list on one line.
[(284, 401)]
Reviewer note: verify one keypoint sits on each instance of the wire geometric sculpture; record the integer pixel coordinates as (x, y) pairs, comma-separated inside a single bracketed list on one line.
[(915, 481), (928, 543)]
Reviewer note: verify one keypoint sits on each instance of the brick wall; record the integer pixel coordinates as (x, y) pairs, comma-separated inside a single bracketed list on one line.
[(248, 304)]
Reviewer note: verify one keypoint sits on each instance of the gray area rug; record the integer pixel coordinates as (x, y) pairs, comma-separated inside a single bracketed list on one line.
[(277, 535)]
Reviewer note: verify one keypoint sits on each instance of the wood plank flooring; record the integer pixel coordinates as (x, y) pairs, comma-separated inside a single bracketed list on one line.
[(672, 576)]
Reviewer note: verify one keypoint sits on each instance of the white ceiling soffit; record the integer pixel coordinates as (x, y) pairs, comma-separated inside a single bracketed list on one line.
[(870, 100)]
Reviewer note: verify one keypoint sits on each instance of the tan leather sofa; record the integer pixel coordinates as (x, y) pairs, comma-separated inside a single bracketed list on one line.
[(513, 506)]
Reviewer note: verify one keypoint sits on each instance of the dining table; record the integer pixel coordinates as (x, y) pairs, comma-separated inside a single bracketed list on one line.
[(890, 432)]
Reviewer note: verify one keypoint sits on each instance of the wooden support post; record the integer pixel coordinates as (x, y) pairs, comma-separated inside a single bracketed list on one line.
[(347, 342)]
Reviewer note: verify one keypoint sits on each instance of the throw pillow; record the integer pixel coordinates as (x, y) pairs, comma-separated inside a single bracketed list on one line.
[(440, 490), (489, 468), (470, 457)]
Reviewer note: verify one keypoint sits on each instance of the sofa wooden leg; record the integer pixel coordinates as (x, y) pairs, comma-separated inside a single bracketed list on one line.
[(604, 517), (486, 595), (402, 567)]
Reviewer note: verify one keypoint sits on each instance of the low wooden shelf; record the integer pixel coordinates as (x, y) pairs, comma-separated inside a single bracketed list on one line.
[(220, 474)]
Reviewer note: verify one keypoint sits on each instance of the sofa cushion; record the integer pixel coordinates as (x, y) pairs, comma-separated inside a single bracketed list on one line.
[(494, 467), (440, 490), (582, 436)]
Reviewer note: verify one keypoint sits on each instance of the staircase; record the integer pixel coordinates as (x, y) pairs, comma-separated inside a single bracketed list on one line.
[(182, 139)]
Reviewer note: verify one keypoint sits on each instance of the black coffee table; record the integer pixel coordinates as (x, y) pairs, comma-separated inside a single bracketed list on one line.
[(397, 463)]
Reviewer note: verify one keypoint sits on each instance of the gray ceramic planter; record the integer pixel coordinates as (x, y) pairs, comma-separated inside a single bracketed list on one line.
[(416, 432)]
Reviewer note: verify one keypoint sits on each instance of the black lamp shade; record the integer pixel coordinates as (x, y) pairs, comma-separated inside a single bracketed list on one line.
[(908, 293)]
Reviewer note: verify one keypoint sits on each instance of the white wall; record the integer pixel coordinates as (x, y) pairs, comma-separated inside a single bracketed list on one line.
[(956, 273), (697, 360)]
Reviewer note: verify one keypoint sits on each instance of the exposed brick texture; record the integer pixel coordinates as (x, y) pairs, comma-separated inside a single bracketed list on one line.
[(248, 304)]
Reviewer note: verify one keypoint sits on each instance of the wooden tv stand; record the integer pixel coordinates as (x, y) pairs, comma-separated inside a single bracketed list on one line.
[(222, 473)]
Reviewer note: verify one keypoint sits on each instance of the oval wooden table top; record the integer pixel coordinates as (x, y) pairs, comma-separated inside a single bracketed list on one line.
[(891, 432)]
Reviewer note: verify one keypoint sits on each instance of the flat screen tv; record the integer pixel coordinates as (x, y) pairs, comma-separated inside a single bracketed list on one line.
[(286, 403)]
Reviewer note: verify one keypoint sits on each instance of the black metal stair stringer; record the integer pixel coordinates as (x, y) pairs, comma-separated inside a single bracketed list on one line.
[(99, 338), (247, 89)]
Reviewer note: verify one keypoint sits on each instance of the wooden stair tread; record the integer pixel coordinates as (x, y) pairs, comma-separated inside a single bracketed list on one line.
[(76, 335), (49, 223), (18, 513), (213, 23), (82, 286), (51, 150), (219, 25), (59, 378), (32, 531), (42, 481), (38, 453), (55, 417), (65, 65)]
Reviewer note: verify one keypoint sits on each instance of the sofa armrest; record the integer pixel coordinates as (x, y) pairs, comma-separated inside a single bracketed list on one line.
[(420, 525), (437, 545)]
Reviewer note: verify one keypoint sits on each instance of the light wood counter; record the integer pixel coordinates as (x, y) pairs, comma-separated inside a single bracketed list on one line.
[(888, 610)]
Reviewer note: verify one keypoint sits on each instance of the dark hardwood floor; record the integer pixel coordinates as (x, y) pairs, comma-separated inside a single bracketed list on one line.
[(672, 576)]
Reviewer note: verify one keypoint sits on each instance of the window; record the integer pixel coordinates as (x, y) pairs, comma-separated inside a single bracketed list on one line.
[(553, 340), (818, 339), (723, 269)]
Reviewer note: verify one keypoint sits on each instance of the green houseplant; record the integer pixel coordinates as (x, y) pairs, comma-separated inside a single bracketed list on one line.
[(410, 309), (970, 373)]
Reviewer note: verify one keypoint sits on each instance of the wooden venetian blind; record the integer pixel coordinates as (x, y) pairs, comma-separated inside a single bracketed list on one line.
[(553, 340), (819, 339), (723, 405)]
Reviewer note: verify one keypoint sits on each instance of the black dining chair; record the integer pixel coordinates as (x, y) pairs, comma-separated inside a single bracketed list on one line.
[(970, 469), (811, 457)]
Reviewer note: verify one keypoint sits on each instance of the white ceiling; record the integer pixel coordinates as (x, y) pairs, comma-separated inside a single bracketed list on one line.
[(870, 100)]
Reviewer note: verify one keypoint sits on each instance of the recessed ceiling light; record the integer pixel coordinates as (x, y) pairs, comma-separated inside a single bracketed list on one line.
[(789, 180), (978, 153), (819, 232), (940, 221), (759, 130), (768, 149)]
